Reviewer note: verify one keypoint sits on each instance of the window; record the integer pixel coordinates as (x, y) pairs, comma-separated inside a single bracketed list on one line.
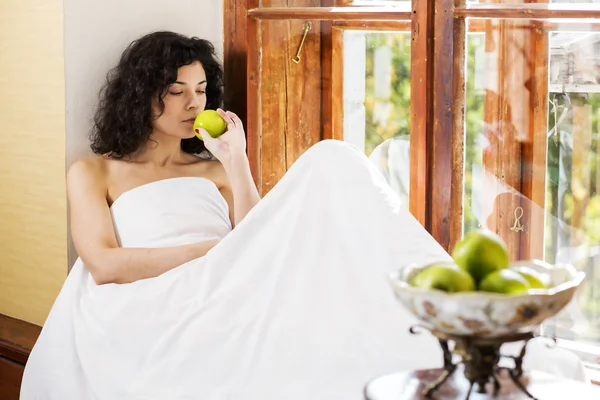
[(376, 109), (494, 123)]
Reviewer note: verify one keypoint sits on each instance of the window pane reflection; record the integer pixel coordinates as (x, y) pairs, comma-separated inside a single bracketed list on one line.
[(532, 156), (377, 101)]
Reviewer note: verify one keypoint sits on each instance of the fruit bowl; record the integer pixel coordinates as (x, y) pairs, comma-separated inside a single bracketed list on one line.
[(484, 313)]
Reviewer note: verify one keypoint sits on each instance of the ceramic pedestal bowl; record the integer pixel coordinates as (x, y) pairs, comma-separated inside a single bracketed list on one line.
[(487, 314)]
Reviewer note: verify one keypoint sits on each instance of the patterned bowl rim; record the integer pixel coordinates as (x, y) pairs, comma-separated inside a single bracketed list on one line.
[(399, 284)]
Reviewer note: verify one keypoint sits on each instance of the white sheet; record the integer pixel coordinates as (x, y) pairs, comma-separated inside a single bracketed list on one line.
[(292, 304)]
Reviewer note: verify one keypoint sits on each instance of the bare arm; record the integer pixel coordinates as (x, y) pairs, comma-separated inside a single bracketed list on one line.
[(230, 150), (95, 238), (241, 186)]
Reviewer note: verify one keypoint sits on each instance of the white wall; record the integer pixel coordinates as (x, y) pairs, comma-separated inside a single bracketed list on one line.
[(96, 32)]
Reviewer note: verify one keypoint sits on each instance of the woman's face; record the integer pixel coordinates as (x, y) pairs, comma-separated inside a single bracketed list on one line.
[(185, 99)]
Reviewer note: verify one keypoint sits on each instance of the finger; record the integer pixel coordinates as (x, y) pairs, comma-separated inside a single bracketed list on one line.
[(225, 115), (231, 123), (204, 134), (231, 114), (237, 121)]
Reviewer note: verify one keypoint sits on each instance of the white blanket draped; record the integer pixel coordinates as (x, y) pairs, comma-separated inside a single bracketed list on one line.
[(291, 304)]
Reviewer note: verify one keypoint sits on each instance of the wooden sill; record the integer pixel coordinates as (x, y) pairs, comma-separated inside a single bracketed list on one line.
[(17, 338), (529, 11), (396, 13)]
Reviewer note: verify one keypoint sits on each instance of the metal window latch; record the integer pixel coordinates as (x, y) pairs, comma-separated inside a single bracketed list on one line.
[(307, 27)]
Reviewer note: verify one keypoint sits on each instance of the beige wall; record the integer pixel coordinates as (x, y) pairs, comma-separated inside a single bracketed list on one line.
[(33, 229)]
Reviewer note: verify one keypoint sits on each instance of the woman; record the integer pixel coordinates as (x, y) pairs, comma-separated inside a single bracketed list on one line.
[(167, 301), (143, 133)]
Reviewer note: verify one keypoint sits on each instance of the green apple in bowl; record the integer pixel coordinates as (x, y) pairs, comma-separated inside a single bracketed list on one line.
[(535, 279), (212, 122), (504, 281), (480, 253), (444, 276)]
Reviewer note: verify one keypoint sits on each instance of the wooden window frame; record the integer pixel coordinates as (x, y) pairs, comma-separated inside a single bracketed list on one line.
[(437, 122)]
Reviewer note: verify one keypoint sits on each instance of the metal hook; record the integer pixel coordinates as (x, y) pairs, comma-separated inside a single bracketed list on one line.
[(307, 27), (517, 227)]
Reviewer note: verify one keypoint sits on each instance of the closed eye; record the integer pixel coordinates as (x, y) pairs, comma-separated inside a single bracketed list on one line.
[(175, 93)]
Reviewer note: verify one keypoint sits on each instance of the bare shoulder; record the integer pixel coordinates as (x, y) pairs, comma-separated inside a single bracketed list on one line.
[(88, 173), (216, 172), (88, 168)]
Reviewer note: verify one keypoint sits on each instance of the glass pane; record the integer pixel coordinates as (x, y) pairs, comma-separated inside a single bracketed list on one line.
[(532, 150), (377, 101), (362, 96)]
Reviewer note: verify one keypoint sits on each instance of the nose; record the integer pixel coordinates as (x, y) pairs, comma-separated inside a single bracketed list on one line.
[(193, 102)]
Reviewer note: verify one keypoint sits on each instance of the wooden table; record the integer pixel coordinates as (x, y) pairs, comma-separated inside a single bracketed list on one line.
[(410, 384)]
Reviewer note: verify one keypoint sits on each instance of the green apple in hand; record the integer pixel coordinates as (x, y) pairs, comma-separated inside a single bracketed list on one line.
[(212, 122), (504, 281), (480, 253), (444, 276)]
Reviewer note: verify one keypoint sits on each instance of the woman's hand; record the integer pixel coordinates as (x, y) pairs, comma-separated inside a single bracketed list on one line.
[(230, 145), (230, 150)]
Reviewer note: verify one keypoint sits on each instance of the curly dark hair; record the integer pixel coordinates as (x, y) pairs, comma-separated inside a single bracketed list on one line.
[(148, 66)]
